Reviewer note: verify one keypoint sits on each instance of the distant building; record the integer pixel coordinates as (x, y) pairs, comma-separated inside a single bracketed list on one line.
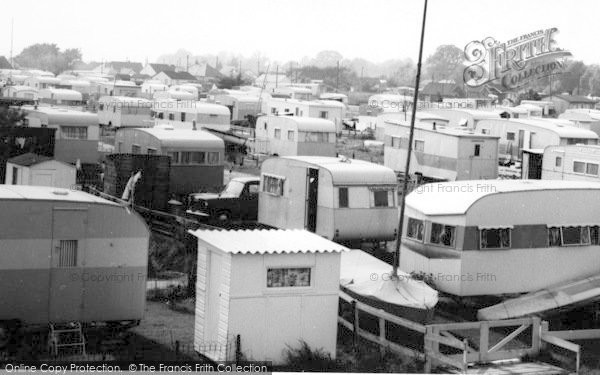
[(119, 67), (154, 69), (437, 91), (272, 80), (204, 73), (564, 102), (170, 78)]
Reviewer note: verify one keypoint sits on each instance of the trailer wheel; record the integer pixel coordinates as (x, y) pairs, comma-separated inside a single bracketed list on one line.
[(223, 216)]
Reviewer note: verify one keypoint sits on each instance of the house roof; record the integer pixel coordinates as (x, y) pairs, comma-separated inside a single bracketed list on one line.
[(351, 171), (162, 67), (28, 159), (573, 98), (120, 65), (179, 75), (455, 198), (4, 64), (268, 241)]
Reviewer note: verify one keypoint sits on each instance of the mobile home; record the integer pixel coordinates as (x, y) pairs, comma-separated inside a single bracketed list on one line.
[(41, 82), (441, 153), (197, 157), (77, 132), (339, 199), (467, 118), (55, 243), (326, 109), (61, 97), (583, 118), (518, 134), (493, 237), (291, 136), (122, 111), (117, 88), (187, 114), (148, 88), (240, 105), (574, 162), (270, 288), (23, 92), (39, 170)]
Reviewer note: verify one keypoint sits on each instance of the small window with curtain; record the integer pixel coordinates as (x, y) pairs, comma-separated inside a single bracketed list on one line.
[(273, 185), (594, 235), (136, 149), (442, 234), (277, 134), (575, 236), (213, 158), (288, 277), (415, 229), (290, 135), (558, 161), (343, 197)]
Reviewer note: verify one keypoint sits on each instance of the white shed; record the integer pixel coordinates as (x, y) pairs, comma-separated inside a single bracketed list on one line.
[(32, 169), (273, 288), (292, 135)]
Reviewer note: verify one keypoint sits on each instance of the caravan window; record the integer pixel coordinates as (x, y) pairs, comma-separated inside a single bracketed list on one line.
[(182, 116), (578, 167), (171, 116), (198, 157), (496, 238), (510, 136), (477, 150), (136, 149), (213, 158), (558, 161), (575, 236), (174, 157), (396, 142), (343, 197), (273, 185), (442, 234), (595, 235), (419, 146), (591, 169), (277, 134), (415, 229), (290, 135), (382, 197), (74, 132), (316, 137)]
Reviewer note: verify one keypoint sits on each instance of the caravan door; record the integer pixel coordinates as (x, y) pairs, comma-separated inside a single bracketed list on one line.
[(312, 193), (67, 260)]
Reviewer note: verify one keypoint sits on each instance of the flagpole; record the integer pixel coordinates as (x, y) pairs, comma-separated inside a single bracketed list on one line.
[(409, 151)]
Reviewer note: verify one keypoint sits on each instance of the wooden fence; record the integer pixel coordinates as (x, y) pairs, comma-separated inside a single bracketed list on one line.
[(463, 344)]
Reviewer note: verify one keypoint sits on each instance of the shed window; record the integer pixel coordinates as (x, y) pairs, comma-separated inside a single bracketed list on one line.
[(273, 185), (419, 146), (288, 277), (415, 229), (442, 234), (343, 197), (497, 238), (290, 135), (277, 134), (558, 161), (67, 253)]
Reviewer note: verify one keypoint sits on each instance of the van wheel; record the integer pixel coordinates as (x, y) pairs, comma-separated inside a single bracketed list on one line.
[(223, 216)]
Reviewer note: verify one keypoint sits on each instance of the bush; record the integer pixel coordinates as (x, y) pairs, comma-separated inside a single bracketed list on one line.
[(306, 359)]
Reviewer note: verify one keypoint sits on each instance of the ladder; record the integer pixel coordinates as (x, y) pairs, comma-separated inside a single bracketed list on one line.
[(66, 336)]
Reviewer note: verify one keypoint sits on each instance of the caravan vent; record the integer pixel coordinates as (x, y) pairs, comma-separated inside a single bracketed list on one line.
[(60, 192)]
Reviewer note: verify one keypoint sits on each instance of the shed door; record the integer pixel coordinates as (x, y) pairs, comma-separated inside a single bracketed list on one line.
[(213, 297), (69, 227), (312, 193), (535, 166), (40, 178)]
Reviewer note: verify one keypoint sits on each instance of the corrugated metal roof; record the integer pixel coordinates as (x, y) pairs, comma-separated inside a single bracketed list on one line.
[(455, 198), (351, 171), (268, 241), (28, 159)]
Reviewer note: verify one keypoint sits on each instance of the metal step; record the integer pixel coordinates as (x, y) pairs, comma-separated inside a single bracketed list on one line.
[(67, 335)]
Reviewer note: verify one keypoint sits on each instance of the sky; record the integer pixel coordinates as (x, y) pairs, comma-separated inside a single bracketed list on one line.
[(285, 30)]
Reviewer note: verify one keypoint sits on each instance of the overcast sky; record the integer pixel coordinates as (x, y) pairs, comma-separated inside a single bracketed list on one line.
[(288, 30)]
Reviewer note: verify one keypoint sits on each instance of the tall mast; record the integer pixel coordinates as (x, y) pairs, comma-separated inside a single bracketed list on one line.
[(409, 151)]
